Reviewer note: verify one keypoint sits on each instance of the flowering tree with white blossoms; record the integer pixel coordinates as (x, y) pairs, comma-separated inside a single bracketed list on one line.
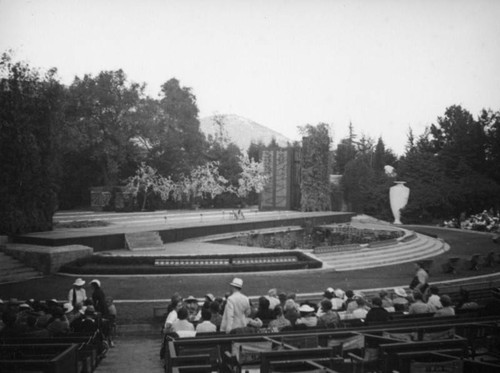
[(252, 177), (205, 180), (148, 181)]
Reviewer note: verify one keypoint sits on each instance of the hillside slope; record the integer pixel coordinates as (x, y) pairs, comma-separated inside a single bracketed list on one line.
[(243, 131)]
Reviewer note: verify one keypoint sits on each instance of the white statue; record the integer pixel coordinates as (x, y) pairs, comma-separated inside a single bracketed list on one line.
[(398, 196)]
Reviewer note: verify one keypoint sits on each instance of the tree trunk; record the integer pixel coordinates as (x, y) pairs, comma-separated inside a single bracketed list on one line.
[(144, 201)]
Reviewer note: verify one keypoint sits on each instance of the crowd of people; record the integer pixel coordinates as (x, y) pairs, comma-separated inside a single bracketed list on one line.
[(487, 221), (279, 311), (94, 315)]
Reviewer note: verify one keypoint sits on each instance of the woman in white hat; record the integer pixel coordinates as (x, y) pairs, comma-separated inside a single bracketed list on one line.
[(307, 316), (77, 293)]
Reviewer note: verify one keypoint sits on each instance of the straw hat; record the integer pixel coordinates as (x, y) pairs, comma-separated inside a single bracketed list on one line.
[(400, 291), (79, 282), (237, 283), (306, 308)]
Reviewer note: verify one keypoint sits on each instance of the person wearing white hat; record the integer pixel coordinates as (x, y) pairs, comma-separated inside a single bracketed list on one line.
[(308, 318), (77, 293), (237, 308), (98, 297), (400, 301), (272, 297), (338, 302), (71, 312)]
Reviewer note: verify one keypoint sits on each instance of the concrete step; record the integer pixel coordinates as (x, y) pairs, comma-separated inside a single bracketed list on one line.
[(413, 245), (13, 270), (18, 277), (388, 260), (422, 247), (11, 265), (142, 240), (383, 261), (366, 256)]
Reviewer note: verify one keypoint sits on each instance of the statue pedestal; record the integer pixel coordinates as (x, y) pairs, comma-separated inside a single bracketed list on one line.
[(398, 196)]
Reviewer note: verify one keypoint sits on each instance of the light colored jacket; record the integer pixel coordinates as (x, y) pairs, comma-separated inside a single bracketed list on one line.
[(235, 313)]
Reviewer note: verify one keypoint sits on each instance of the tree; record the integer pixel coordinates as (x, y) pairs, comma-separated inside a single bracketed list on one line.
[(147, 182), (252, 177), (103, 116), (30, 115), (178, 142), (383, 157), (447, 168), (255, 150), (204, 181), (315, 157), (458, 137), (490, 121)]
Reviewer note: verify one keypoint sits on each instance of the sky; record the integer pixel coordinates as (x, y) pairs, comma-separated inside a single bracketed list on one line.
[(382, 65)]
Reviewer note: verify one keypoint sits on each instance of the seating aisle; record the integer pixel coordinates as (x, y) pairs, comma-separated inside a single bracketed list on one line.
[(133, 354)]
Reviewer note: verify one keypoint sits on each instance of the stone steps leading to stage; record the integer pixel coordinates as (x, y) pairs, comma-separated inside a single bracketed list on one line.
[(12, 270), (143, 240), (403, 252)]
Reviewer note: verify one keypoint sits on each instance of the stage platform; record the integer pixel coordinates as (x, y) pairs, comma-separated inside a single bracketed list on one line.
[(204, 223)]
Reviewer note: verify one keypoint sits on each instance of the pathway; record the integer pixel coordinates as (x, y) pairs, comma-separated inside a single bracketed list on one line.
[(133, 354)]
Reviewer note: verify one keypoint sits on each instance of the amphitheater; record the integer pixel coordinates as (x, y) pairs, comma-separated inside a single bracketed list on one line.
[(201, 251)]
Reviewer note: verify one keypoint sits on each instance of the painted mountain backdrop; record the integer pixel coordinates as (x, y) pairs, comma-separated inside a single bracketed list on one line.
[(242, 131)]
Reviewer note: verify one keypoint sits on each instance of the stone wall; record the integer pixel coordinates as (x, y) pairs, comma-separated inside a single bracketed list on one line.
[(46, 259)]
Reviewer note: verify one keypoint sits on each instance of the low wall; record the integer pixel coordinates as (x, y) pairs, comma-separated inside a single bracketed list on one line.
[(45, 259)]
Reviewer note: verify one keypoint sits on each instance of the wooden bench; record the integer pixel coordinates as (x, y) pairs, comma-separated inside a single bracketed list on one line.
[(426, 264), (473, 366), (337, 337), (46, 358), (320, 356), (451, 266), (491, 259), (389, 352), (473, 263), (442, 360), (87, 348)]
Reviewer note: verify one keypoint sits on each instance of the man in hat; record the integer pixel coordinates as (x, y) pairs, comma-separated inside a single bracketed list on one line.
[(77, 293), (193, 309), (237, 308)]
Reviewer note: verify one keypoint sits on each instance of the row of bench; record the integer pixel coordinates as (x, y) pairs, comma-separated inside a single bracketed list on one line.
[(65, 354), (384, 347), (473, 263)]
